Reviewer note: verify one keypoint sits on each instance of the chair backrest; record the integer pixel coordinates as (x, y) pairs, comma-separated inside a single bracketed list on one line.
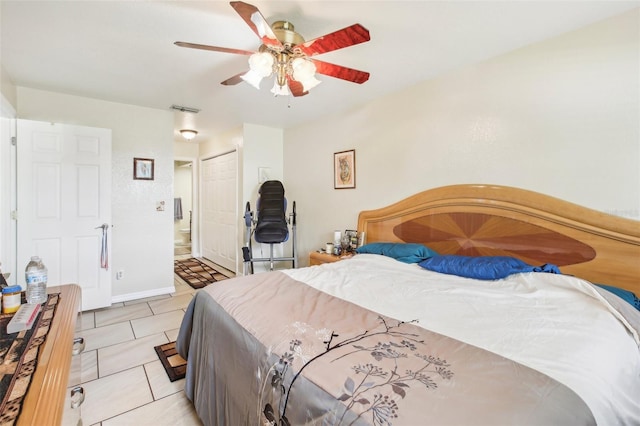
[(271, 207)]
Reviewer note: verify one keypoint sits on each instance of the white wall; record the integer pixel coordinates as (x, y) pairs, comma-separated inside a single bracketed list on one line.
[(7, 190), (142, 237), (262, 148), (8, 104), (559, 117), (185, 150)]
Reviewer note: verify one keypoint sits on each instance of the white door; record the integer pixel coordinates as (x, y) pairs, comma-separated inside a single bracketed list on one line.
[(64, 197), (219, 210)]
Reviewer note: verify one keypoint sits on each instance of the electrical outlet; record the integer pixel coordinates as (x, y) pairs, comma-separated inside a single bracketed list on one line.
[(119, 275)]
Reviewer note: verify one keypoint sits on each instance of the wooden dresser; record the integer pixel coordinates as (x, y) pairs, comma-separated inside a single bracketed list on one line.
[(44, 402)]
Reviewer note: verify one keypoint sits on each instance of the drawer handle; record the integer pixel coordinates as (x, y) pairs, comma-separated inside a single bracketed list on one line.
[(79, 392), (78, 345)]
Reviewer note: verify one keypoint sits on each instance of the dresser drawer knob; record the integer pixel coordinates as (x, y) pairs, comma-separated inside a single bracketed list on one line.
[(77, 396), (78, 345)]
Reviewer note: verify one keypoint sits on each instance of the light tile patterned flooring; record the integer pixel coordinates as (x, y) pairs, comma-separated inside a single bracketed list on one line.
[(123, 379)]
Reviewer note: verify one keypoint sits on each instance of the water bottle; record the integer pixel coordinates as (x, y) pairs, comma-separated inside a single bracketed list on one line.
[(36, 277)]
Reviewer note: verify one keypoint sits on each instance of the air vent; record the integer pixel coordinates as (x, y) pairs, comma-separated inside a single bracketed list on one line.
[(185, 109)]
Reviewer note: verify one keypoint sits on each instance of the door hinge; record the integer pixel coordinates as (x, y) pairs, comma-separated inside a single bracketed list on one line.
[(14, 141), (14, 215)]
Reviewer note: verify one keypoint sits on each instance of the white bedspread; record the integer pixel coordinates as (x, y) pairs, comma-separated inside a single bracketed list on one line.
[(556, 324)]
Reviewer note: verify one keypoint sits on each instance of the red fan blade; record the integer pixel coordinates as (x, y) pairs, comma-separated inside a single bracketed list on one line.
[(257, 23), (338, 71), (213, 48), (295, 87), (234, 80), (355, 34)]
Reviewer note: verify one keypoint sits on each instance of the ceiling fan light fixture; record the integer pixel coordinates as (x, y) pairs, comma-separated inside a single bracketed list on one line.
[(264, 64), (253, 78), (188, 134), (302, 69), (283, 49), (279, 90), (304, 72), (309, 83), (260, 66)]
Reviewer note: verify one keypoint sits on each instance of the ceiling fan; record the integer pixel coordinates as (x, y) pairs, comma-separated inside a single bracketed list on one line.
[(287, 55)]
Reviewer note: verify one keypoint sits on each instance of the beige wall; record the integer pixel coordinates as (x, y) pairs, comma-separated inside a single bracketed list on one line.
[(559, 117), (7, 88), (142, 237)]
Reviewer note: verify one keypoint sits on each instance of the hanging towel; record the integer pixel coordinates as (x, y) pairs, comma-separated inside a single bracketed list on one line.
[(177, 208)]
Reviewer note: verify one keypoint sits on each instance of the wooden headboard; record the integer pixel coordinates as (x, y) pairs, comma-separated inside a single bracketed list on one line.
[(489, 220)]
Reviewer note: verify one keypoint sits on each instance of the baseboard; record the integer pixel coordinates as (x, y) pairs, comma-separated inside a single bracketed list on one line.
[(142, 294)]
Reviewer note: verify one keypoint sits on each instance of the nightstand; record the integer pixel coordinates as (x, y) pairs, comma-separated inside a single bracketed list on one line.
[(316, 258)]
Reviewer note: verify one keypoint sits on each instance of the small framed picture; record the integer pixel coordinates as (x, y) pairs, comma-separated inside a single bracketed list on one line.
[(143, 168), (344, 169), (352, 234)]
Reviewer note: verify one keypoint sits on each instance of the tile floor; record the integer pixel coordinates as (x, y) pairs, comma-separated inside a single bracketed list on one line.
[(123, 379)]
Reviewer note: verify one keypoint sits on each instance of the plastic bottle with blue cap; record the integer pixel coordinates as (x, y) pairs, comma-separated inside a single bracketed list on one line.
[(36, 278)]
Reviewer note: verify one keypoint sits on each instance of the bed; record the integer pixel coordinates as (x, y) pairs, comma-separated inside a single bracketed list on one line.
[(382, 339)]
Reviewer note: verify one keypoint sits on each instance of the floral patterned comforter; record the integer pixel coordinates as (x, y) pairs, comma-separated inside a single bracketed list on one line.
[(267, 349)]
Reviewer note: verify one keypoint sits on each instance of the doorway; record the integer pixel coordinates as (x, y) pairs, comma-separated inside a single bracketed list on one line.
[(183, 207)]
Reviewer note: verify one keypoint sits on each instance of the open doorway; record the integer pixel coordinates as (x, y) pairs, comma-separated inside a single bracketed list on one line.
[(183, 207)]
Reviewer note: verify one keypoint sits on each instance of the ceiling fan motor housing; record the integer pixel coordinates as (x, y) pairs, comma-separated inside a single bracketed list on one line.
[(284, 31)]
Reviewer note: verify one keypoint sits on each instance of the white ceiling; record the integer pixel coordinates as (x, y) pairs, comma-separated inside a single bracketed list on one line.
[(123, 51)]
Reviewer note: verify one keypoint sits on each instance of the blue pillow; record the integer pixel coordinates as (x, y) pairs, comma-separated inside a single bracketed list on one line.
[(404, 252), (483, 267), (625, 295)]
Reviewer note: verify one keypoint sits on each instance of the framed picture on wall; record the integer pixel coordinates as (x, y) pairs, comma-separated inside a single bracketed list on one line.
[(143, 168), (344, 169)]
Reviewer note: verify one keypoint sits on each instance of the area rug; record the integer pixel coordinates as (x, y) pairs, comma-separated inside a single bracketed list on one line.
[(173, 363), (196, 273), (19, 358)]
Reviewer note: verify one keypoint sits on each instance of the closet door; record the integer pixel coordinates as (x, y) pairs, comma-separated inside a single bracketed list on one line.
[(219, 209), (64, 199)]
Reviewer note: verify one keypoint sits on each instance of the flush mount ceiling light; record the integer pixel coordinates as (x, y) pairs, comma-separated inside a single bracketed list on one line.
[(285, 54), (188, 134)]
